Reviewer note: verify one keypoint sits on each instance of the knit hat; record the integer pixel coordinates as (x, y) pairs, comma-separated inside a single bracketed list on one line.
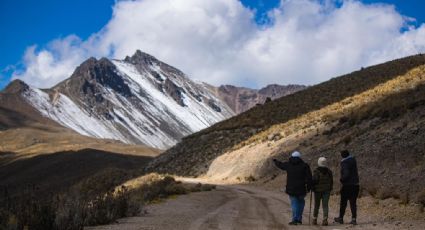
[(322, 162), (345, 153), (296, 154)]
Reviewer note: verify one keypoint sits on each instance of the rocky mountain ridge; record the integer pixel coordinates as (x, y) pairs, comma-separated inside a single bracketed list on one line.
[(138, 100), (241, 99)]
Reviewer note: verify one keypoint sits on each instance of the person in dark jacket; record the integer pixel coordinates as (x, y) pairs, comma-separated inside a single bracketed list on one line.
[(350, 187), (322, 187), (298, 184)]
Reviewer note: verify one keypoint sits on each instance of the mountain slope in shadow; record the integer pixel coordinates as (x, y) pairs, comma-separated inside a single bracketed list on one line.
[(58, 171)]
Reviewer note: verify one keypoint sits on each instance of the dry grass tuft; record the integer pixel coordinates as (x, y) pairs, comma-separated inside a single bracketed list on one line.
[(100, 199)]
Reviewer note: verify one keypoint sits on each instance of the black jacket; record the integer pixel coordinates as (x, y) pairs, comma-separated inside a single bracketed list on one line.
[(299, 177), (349, 173), (322, 179)]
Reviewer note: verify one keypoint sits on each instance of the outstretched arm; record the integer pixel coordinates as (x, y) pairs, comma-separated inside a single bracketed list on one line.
[(281, 165)]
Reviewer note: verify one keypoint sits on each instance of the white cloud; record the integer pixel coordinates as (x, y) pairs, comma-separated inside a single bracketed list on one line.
[(217, 41), (46, 67)]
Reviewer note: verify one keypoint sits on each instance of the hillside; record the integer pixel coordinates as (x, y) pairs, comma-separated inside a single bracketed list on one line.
[(35, 150), (378, 113), (47, 168), (55, 172), (137, 100), (26, 132)]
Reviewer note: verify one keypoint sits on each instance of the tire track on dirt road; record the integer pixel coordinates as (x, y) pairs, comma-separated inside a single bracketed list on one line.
[(245, 211), (239, 207), (227, 207)]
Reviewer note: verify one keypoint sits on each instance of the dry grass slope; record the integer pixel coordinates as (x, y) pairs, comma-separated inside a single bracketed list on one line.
[(193, 155), (378, 113)]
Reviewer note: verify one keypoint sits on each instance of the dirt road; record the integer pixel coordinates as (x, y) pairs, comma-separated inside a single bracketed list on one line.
[(227, 207)]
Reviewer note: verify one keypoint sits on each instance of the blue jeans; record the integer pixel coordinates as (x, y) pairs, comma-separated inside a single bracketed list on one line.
[(297, 205)]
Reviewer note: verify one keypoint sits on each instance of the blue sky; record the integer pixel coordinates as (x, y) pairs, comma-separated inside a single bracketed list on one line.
[(25, 23)]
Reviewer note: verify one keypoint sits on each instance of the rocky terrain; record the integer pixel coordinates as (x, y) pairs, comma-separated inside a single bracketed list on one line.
[(26, 132), (138, 100), (378, 113), (91, 132), (240, 99)]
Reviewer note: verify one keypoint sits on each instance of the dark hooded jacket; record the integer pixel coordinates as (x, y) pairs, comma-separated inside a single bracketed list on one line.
[(322, 179), (349, 173), (299, 179)]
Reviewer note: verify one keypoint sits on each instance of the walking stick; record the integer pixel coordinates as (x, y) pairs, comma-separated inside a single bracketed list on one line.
[(309, 213)]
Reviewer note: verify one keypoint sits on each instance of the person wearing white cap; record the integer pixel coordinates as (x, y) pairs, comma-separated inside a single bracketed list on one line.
[(322, 187), (298, 183)]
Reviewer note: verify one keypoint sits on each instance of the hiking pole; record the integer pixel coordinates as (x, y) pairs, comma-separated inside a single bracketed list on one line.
[(309, 213)]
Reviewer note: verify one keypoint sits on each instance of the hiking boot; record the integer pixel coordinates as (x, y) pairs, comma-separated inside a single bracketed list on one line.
[(325, 222), (353, 221), (339, 220), (293, 222), (314, 221)]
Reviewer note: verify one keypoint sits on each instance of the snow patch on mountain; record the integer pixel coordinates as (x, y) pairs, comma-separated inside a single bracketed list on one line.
[(195, 115), (138, 100), (66, 112)]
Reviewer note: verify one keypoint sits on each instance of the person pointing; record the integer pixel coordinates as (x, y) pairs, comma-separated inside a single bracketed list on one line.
[(298, 183)]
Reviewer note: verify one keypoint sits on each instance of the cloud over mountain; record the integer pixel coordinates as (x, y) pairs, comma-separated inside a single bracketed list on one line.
[(218, 41)]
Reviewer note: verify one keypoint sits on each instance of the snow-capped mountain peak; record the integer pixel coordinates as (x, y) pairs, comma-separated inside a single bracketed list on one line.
[(136, 100)]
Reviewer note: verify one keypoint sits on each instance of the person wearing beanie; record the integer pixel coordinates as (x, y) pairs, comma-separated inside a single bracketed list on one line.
[(350, 187), (298, 183), (296, 154), (322, 187)]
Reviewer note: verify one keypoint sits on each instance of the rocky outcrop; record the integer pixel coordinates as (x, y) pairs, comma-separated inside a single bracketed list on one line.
[(241, 99), (15, 87), (174, 91), (138, 100)]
